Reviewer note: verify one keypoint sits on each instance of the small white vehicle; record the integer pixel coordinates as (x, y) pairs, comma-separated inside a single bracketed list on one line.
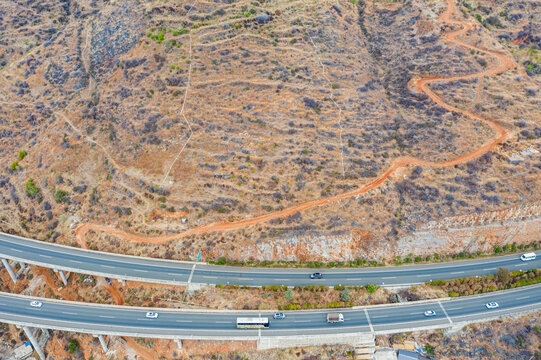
[(430, 313), (528, 256), (492, 305), (152, 315), (36, 304)]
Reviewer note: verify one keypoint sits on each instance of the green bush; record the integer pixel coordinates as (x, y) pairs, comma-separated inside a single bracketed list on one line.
[(73, 346), (336, 304), (22, 154), (60, 196), (430, 350), (371, 288), (32, 191), (291, 307), (15, 166)]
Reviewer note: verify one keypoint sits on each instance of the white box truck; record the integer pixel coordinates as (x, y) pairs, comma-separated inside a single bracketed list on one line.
[(335, 317)]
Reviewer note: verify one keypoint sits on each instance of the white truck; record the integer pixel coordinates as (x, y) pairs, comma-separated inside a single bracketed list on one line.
[(335, 317)]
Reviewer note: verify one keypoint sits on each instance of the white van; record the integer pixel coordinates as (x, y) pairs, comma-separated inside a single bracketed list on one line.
[(528, 256)]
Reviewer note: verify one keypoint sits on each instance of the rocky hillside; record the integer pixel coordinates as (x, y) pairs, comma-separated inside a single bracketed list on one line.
[(235, 126)]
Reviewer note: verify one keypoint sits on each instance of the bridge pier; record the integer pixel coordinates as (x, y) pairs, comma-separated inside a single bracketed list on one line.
[(179, 343), (63, 277), (10, 270), (103, 344), (34, 342)]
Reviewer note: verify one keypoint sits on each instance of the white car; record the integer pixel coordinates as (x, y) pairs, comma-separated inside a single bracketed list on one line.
[(430, 313), (152, 315), (492, 305), (36, 304)]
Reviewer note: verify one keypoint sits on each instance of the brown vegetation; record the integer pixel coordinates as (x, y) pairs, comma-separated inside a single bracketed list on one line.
[(269, 123)]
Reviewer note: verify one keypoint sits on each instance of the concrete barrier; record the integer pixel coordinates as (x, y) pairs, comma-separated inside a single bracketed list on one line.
[(358, 339)]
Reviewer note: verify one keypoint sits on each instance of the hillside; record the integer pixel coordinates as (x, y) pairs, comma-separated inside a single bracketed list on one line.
[(279, 130)]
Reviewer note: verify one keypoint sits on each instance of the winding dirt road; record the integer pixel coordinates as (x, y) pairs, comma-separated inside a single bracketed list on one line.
[(504, 63)]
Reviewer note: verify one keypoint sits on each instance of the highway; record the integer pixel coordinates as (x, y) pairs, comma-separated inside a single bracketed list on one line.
[(180, 273), (171, 323)]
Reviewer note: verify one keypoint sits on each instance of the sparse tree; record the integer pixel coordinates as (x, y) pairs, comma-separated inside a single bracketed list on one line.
[(503, 274), (345, 295), (289, 294)]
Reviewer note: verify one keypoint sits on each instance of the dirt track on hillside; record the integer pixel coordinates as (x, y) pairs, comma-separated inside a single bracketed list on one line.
[(504, 63)]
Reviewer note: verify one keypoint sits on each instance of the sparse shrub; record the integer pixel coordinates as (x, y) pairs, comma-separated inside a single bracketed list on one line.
[(73, 346), (60, 196), (289, 294), (371, 288), (15, 166), (32, 191), (22, 154), (503, 275), (430, 349), (345, 295), (161, 36)]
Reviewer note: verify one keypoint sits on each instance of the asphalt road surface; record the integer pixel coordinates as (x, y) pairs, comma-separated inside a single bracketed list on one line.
[(177, 272), (130, 321)]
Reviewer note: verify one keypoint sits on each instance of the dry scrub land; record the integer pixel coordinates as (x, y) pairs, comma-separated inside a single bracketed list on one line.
[(157, 118)]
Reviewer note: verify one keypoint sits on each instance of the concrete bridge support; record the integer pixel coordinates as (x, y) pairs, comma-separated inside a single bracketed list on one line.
[(179, 343), (103, 344), (34, 342), (10, 270), (63, 277)]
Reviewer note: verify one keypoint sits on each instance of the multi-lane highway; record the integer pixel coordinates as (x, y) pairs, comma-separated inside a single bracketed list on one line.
[(131, 321), (177, 272)]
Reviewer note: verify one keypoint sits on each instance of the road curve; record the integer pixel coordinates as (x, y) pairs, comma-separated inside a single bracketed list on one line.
[(161, 271), (198, 324)]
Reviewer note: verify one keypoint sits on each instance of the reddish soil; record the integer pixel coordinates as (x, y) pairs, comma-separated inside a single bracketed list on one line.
[(158, 213), (115, 294), (51, 282), (505, 63)]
